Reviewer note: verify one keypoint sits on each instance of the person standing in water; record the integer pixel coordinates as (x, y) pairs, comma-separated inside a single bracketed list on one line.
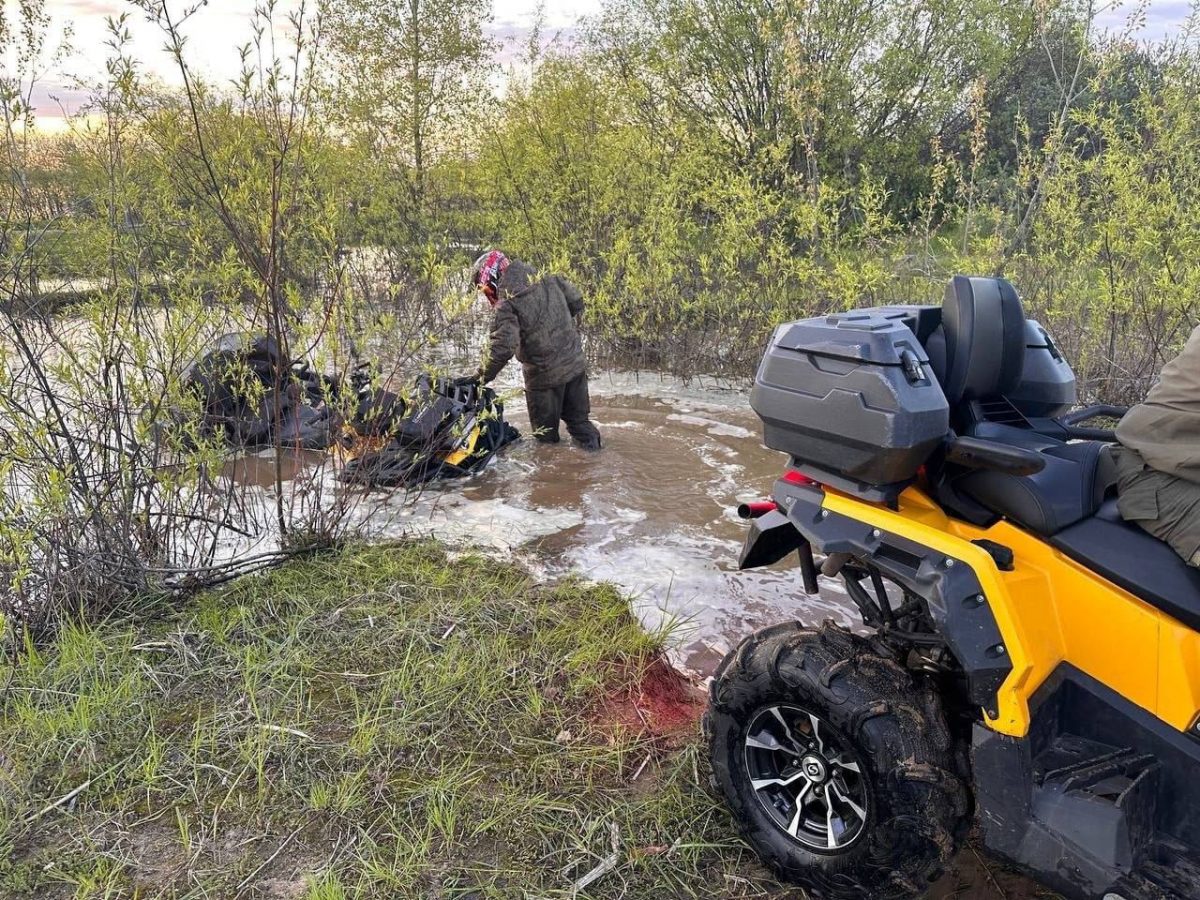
[(535, 319)]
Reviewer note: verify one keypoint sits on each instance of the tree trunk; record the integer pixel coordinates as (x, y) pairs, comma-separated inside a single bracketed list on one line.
[(415, 99)]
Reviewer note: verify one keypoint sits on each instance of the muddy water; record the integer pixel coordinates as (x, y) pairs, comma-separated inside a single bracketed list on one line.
[(653, 512)]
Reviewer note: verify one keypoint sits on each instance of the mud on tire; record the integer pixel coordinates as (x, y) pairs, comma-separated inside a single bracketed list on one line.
[(891, 726)]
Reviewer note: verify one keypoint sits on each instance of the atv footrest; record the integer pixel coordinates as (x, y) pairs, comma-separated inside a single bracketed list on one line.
[(1097, 801), (1099, 797), (1071, 755)]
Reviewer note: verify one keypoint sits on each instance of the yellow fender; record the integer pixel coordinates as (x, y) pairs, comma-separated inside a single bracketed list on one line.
[(1050, 611)]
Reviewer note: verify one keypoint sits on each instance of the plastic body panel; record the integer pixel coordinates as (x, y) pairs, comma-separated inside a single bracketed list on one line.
[(1082, 840)]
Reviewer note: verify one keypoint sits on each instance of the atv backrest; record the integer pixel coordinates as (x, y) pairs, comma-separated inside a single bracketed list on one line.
[(987, 346), (984, 327)]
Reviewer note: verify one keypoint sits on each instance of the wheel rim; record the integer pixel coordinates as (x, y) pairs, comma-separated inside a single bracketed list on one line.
[(807, 778)]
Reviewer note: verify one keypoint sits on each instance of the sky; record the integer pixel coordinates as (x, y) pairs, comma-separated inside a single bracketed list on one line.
[(217, 30)]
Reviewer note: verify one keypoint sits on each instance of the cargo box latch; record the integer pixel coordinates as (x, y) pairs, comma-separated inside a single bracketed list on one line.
[(914, 371)]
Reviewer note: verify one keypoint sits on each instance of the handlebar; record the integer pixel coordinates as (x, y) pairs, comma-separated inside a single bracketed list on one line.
[(1071, 422)]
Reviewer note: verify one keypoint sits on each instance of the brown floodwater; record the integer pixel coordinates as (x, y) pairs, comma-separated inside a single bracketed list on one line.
[(653, 512)]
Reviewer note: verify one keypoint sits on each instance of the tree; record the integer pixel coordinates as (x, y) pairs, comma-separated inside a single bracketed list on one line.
[(822, 88), (405, 73)]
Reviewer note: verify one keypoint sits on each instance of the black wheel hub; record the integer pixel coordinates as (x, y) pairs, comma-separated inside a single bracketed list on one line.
[(815, 769), (807, 778)]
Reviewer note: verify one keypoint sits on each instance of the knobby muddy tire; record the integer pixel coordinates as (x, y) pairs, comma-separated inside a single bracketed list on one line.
[(920, 809)]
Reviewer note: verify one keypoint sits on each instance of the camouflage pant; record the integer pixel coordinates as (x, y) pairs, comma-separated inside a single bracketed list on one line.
[(1166, 506), (568, 403)]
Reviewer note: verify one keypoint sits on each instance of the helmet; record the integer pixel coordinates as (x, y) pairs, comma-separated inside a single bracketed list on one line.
[(486, 272)]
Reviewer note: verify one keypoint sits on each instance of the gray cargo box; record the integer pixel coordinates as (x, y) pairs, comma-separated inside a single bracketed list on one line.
[(1047, 385), (852, 399)]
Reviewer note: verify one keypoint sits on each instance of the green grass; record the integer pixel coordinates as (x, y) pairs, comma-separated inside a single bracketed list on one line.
[(380, 722)]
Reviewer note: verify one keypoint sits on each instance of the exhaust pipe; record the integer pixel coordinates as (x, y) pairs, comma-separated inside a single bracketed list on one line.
[(756, 508)]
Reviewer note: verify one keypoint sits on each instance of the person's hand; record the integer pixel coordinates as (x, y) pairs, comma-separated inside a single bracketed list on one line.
[(465, 380)]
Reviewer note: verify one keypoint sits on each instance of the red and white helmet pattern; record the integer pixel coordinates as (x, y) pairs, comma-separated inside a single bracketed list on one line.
[(486, 272)]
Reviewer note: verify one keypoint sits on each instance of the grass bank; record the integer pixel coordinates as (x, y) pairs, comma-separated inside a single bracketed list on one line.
[(382, 722)]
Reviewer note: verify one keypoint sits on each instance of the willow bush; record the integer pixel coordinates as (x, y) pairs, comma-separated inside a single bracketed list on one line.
[(685, 259), (1114, 260), (702, 204)]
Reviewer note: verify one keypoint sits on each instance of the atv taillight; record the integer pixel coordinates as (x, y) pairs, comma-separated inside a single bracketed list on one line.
[(791, 476)]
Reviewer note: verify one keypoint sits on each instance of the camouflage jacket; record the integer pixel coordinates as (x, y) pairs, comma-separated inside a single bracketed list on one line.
[(535, 320)]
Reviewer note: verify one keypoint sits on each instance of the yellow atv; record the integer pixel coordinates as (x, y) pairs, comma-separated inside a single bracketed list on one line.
[(1028, 662)]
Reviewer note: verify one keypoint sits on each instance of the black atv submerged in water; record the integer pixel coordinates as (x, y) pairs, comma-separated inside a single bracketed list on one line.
[(1029, 664), (450, 429), (251, 397)]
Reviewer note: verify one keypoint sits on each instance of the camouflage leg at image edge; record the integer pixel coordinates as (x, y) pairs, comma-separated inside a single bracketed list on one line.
[(1165, 506)]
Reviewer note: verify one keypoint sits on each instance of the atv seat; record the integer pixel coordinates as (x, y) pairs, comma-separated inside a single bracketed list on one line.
[(1136, 561), (1072, 485)]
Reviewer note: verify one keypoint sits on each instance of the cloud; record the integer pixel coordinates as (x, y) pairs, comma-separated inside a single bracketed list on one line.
[(72, 8), (52, 99), (511, 39)]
